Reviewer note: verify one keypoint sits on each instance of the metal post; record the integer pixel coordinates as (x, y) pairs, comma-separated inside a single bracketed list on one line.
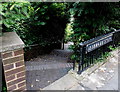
[(81, 62), (88, 60), (113, 39), (74, 65), (63, 43)]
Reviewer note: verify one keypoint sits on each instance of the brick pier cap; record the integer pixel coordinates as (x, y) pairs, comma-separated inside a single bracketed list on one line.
[(11, 51), (10, 41)]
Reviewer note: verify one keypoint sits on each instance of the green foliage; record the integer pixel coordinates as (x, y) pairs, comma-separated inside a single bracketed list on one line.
[(13, 12), (44, 23), (68, 32), (4, 89), (36, 22), (113, 48), (93, 19)]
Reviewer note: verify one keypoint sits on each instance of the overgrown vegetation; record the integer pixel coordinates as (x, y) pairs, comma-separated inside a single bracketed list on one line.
[(44, 23), (107, 54), (36, 22), (68, 33), (91, 20)]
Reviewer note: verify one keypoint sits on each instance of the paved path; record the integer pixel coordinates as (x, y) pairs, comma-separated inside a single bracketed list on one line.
[(46, 69), (38, 79), (104, 77)]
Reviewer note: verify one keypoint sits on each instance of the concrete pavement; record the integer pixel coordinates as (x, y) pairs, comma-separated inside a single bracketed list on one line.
[(102, 76)]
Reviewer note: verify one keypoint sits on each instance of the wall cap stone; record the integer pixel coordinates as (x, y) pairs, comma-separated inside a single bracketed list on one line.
[(10, 41)]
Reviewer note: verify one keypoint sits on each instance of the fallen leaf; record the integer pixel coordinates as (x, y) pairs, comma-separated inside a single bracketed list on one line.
[(48, 81), (111, 71), (37, 80), (31, 85)]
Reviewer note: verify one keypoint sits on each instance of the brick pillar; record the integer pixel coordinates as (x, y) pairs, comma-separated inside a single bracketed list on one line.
[(13, 62)]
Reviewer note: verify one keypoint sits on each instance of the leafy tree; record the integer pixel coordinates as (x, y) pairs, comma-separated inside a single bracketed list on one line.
[(92, 19), (13, 12), (36, 22)]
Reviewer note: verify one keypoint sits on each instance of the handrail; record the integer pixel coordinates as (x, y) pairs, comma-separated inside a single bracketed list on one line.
[(92, 45), (97, 38)]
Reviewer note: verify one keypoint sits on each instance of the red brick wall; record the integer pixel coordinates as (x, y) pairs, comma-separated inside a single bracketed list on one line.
[(14, 68)]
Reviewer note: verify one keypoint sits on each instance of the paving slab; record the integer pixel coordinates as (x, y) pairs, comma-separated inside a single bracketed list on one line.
[(38, 79), (65, 83), (77, 86), (103, 77), (46, 69)]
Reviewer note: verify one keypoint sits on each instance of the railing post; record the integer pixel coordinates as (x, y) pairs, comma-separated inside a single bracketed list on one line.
[(116, 38), (113, 39), (91, 48), (81, 62)]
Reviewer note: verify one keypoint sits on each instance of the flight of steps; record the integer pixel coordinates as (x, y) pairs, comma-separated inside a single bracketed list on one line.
[(63, 53)]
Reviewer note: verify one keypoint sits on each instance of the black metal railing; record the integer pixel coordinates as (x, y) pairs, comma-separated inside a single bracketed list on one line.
[(93, 49)]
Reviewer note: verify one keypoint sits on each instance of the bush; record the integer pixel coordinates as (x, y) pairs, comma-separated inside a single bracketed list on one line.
[(36, 22), (91, 20)]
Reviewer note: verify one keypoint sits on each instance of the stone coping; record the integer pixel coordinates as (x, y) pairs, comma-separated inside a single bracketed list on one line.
[(10, 41)]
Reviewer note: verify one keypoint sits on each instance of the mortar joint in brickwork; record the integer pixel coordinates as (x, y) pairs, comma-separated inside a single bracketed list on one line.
[(13, 62), (19, 88), (12, 57), (16, 76), (16, 79), (13, 53), (14, 65), (11, 80), (14, 68), (20, 83)]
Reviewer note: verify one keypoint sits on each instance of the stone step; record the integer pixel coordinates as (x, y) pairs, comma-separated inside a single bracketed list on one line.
[(62, 53), (48, 66)]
